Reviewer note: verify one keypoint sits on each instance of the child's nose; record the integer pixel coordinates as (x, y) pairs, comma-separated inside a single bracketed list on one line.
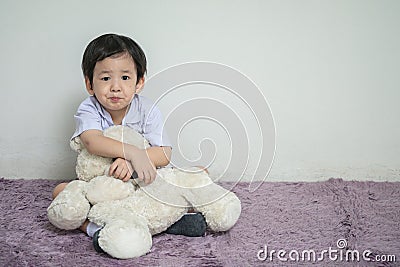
[(115, 87)]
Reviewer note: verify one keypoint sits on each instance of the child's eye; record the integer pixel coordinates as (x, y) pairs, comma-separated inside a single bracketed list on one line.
[(106, 78), (125, 78)]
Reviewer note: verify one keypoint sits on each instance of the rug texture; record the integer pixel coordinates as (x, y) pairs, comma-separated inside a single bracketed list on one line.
[(334, 219)]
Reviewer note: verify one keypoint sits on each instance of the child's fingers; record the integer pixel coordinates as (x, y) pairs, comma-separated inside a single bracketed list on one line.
[(150, 176), (140, 175), (121, 169), (113, 167), (129, 172), (153, 175), (130, 168), (146, 177), (146, 174), (123, 173), (118, 172), (127, 177)]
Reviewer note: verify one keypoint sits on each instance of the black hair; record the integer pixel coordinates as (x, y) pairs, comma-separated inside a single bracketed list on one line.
[(108, 45)]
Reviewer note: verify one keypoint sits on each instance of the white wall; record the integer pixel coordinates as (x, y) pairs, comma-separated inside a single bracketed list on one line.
[(329, 70)]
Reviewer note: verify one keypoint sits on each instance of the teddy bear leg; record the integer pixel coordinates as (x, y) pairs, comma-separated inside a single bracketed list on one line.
[(70, 208), (124, 239), (220, 207), (222, 214), (124, 235)]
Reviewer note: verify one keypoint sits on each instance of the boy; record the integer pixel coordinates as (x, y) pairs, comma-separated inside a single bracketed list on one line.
[(114, 68)]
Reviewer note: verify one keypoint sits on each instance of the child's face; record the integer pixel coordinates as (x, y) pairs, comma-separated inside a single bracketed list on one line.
[(115, 83)]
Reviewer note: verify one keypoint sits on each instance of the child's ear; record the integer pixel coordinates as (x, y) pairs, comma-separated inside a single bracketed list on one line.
[(139, 85), (88, 86)]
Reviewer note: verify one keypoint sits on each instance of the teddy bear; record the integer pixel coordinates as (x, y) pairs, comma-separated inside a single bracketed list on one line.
[(132, 212)]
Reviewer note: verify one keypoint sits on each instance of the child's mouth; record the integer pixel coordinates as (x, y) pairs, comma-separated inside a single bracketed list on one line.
[(115, 99)]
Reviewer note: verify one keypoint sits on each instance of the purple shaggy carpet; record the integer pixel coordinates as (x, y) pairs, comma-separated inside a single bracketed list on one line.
[(321, 223)]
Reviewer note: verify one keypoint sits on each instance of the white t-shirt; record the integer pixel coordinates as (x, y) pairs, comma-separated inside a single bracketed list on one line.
[(143, 116)]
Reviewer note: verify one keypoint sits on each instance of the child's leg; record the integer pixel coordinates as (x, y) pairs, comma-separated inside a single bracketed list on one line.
[(58, 189)]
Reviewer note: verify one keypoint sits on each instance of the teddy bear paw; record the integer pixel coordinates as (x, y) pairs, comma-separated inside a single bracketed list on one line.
[(124, 239)]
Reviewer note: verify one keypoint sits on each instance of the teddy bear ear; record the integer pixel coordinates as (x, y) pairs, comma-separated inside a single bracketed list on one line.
[(76, 144)]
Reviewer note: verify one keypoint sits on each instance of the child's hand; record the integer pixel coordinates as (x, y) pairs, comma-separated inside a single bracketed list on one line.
[(121, 169), (143, 166)]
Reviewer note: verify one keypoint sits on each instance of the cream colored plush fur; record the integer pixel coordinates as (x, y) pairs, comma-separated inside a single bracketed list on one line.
[(132, 212)]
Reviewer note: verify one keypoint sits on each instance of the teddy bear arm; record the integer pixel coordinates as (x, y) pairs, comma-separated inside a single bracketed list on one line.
[(106, 188)]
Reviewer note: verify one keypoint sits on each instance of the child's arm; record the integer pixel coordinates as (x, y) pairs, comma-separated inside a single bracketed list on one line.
[(159, 155), (143, 161), (122, 169)]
